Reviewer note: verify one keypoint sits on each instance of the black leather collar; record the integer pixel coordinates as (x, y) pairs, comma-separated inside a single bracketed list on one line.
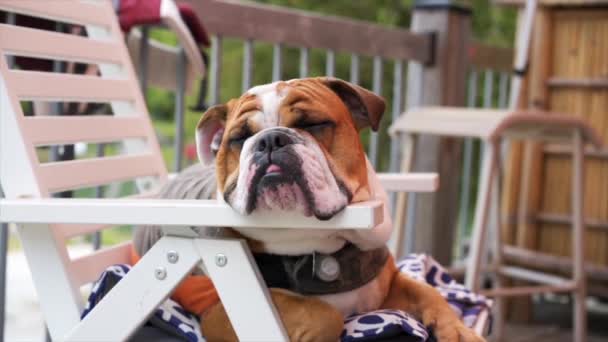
[(319, 274)]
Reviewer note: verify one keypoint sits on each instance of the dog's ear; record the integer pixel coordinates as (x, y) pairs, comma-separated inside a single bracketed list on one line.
[(209, 132), (365, 106)]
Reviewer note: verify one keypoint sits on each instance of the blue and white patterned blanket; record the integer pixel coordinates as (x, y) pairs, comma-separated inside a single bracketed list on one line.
[(171, 317)]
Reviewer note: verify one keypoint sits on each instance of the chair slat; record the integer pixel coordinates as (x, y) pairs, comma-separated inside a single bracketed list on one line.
[(51, 130), (31, 85), (58, 176), (75, 12), (30, 42), (87, 269)]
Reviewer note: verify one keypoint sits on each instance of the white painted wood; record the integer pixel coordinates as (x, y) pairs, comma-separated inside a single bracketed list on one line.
[(246, 300), (522, 46), (75, 12), (52, 130), (409, 182), (134, 298), (169, 13), (95, 171), (450, 121), (47, 258), (36, 85), (482, 324), (17, 171), (86, 269), (17, 40), (364, 215), (528, 290)]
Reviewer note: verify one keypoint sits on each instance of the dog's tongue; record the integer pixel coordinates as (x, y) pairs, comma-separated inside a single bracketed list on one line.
[(273, 168)]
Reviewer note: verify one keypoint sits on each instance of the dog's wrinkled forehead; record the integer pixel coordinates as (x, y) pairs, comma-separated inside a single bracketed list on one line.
[(269, 98)]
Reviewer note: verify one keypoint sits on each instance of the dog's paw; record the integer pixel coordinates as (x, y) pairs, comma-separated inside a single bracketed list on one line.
[(450, 330)]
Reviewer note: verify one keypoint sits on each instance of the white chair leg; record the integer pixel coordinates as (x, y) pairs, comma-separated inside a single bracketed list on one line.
[(48, 260), (578, 241), (482, 210), (134, 298)]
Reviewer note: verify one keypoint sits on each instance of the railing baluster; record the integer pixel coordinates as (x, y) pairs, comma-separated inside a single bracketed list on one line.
[(488, 88), (330, 63), (304, 62), (503, 90), (467, 162), (180, 99), (376, 88), (247, 65), (354, 69), (216, 69), (276, 62), (397, 99), (144, 48)]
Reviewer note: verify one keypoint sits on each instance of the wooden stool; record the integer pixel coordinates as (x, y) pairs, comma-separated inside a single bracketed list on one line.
[(492, 127)]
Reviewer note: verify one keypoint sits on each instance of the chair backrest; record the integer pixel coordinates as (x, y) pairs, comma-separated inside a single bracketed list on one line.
[(23, 169)]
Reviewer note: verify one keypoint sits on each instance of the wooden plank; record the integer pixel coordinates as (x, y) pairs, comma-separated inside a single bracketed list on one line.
[(531, 275), (23, 41), (486, 57), (450, 121), (35, 85), (566, 151), (410, 182), (303, 29), (55, 130), (528, 290), (75, 12), (211, 213), (551, 263), (567, 220), (589, 83), (59, 176)]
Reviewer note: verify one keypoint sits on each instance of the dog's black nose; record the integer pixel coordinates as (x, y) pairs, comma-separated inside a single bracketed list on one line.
[(272, 141)]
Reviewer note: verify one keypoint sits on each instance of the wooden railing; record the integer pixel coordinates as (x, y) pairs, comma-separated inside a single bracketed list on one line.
[(254, 23), (292, 28)]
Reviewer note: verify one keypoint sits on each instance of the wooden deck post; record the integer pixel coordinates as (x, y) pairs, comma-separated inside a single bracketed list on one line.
[(441, 83)]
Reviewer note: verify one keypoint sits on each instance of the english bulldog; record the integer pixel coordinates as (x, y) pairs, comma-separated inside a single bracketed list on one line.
[(294, 146)]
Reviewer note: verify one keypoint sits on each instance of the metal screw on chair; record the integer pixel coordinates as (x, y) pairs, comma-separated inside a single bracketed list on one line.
[(221, 260), (160, 273), (172, 256)]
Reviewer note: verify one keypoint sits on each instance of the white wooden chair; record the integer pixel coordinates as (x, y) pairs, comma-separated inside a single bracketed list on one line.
[(45, 223)]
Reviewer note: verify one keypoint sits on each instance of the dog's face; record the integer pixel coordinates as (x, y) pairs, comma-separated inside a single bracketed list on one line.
[(291, 146)]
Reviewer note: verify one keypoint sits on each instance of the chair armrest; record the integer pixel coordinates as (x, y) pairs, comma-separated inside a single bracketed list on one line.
[(409, 182), (170, 15), (171, 212)]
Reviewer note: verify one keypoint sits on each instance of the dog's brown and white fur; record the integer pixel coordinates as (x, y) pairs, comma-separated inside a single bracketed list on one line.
[(294, 146)]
